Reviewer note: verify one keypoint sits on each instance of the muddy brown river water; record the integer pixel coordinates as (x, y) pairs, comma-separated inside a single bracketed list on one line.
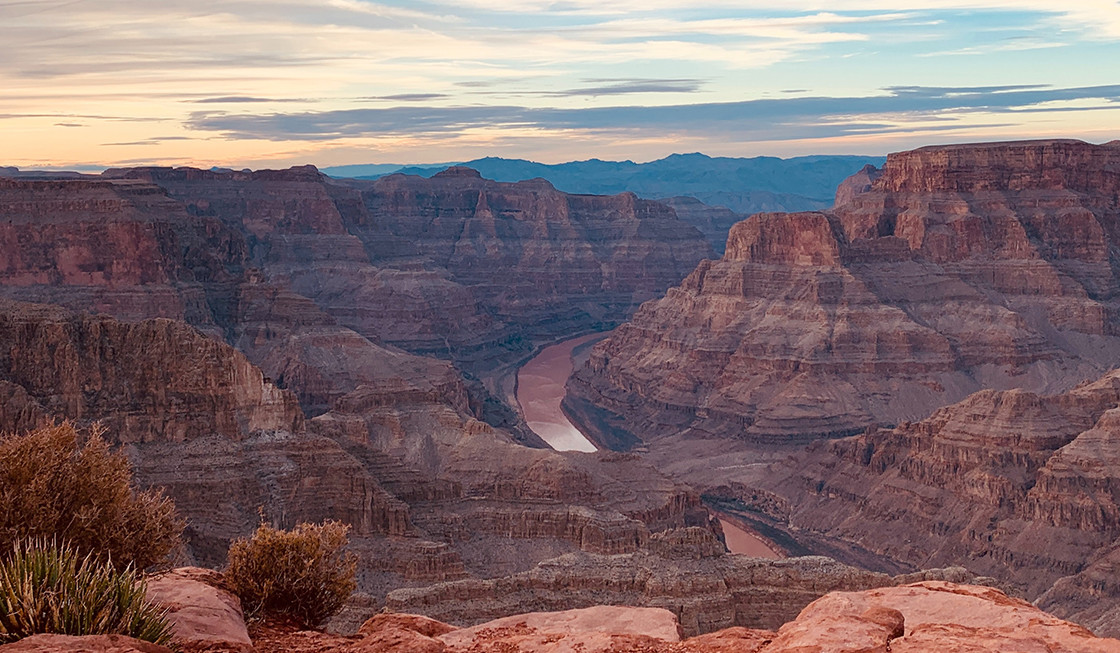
[(540, 389)]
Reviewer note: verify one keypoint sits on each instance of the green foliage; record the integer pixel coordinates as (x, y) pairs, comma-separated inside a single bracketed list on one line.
[(47, 588), (54, 489), (303, 574)]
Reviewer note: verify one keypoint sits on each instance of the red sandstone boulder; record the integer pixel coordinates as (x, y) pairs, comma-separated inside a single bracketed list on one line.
[(203, 616)]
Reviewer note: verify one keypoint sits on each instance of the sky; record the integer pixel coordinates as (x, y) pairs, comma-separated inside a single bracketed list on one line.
[(247, 83)]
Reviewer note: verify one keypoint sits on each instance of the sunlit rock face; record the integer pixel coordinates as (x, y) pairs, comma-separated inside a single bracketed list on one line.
[(958, 268)]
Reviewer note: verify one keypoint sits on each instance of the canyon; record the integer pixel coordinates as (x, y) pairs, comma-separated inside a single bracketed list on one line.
[(921, 375), (917, 383)]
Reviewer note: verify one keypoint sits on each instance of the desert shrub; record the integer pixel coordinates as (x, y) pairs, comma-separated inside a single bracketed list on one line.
[(55, 488), (304, 574), (48, 588)]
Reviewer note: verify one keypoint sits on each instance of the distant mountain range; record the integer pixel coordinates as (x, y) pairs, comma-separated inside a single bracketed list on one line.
[(743, 185)]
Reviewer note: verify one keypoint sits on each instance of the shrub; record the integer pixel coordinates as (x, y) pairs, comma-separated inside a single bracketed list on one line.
[(303, 574), (47, 588), (54, 489)]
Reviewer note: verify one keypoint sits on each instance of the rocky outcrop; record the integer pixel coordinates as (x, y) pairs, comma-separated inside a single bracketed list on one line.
[(858, 184), (931, 617), (82, 644), (203, 615), (589, 629), (146, 381), (1010, 484), (713, 221), (706, 592), (962, 268)]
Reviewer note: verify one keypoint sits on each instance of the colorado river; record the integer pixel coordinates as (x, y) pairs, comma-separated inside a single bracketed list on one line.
[(540, 389), (746, 542)]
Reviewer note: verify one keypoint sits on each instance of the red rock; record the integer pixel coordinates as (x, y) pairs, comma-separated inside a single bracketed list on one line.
[(1011, 484), (729, 640), (590, 630), (858, 184), (931, 617), (203, 616), (413, 622), (962, 268), (82, 644)]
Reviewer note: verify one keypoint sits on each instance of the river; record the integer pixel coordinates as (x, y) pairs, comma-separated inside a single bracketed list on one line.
[(540, 389)]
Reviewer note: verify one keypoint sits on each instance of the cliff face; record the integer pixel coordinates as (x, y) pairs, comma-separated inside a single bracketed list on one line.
[(962, 268), (545, 262), (1011, 484), (183, 384), (454, 265), (121, 247), (706, 589), (431, 493)]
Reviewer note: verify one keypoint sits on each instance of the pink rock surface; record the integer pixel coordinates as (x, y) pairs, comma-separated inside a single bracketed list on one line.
[(83, 644), (203, 617), (590, 630), (931, 617)]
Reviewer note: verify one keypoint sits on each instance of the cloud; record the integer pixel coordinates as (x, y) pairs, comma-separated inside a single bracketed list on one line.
[(801, 117), (243, 99), (628, 86), (409, 97)]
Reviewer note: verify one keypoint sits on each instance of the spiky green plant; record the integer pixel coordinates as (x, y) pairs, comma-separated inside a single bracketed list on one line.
[(303, 574), (50, 588)]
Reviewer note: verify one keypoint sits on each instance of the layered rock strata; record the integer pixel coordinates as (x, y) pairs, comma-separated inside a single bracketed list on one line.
[(455, 265), (1010, 484), (962, 268), (431, 493), (684, 571)]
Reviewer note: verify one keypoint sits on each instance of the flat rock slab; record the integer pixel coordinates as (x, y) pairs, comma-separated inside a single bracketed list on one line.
[(932, 617), (589, 630), (85, 644)]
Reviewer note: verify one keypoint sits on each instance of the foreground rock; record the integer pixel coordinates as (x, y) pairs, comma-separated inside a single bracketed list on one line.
[(203, 616), (596, 629), (926, 617), (86, 644), (932, 617)]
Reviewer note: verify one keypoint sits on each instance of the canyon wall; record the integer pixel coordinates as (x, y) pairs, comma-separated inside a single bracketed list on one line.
[(961, 268)]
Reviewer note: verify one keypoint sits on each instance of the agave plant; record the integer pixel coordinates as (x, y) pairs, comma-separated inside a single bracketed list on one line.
[(46, 587)]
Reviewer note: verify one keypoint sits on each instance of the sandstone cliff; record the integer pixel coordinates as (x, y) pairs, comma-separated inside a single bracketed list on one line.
[(454, 265), (1010, 484), (431, 493), (962, 268)]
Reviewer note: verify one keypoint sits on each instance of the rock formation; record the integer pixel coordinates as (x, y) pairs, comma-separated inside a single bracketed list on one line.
[(705, 588), (454, 265), (431, 493), (962, 268), (1013, 485), (714, 222)]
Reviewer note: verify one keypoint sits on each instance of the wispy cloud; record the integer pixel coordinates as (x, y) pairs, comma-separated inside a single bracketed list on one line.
[(289, 78), (777, 118), (244, 99)]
